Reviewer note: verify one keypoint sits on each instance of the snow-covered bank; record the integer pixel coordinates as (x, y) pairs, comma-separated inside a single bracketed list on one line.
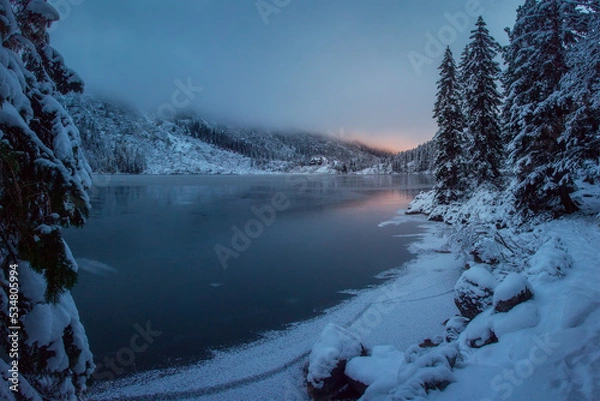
[(409, 307), (530, 303), (559, 357)]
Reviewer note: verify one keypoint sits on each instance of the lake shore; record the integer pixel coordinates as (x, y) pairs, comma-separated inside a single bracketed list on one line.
[(409, 307)]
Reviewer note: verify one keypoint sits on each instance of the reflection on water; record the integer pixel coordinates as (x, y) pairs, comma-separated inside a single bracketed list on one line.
[(148, 255)]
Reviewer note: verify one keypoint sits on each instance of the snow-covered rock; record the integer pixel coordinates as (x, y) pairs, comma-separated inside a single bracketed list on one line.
[(549, 262), (431, 342), (486, 247), (379, 370), (426, 369), (454, 326), (479, 332), (422, 204), (328, 358), (474, 291), (388, 375), (513, 290), (522, 316)]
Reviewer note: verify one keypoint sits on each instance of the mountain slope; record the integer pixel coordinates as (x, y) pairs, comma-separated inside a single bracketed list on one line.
[(119, 139)]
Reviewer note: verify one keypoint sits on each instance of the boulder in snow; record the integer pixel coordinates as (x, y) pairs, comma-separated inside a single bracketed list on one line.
[(522, 316), (483, 338), (549, 262), (430, 343), (327, 362), (422, 204), (379, 370), (513, 290), (474, 291), (488, 250), (426, 369), (479, 332), (454, 326)]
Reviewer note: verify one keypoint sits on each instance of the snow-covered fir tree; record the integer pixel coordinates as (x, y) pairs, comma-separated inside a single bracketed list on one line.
[(464, 58), (481, 101), (43, 182), (580, 90), (511, 81), (450, 172), (535, 114)]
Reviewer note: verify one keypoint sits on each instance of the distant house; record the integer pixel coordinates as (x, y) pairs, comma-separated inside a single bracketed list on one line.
[(318, 160)]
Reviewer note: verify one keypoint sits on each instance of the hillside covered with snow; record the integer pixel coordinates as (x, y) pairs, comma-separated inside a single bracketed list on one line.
[(119, 139)]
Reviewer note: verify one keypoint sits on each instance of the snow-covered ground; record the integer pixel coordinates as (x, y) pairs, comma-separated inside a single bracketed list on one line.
[(410, 307), (533, 308), (553, 354)]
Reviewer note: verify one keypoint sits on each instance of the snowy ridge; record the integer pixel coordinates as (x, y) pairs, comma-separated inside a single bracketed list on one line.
[(119, 139)]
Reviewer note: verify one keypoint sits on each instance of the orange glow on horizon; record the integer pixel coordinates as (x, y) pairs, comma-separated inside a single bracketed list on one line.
[(392, 142)]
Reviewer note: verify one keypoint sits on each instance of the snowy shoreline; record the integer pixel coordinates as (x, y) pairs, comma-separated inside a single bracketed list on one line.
[(548, 347), (404, 310), (530, 316)]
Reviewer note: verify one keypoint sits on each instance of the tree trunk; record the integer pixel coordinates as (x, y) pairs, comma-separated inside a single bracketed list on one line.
[(567, 202)]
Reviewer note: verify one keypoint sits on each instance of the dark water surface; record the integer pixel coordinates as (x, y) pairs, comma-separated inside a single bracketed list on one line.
[(147, 256)]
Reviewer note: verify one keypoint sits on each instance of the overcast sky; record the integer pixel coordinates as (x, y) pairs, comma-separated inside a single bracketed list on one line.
[(364, 69)]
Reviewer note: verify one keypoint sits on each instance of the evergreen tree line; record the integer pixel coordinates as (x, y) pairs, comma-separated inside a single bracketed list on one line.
[(110, 158), (103, 155), (542, 131), (115, 138), (418, 160), (219, 138), (298, 148)]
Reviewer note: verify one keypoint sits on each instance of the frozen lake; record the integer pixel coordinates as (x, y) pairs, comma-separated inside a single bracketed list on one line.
[(154, 252)]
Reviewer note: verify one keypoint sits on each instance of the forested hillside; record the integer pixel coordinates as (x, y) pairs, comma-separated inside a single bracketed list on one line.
[(120, 139), (418, 160)]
